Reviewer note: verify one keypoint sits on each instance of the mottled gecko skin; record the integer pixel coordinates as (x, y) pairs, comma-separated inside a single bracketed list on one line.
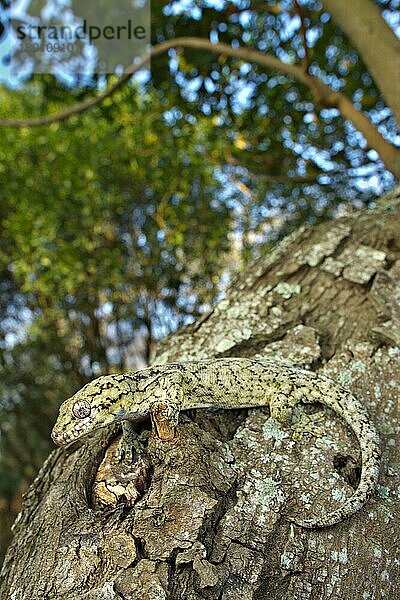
[(162, 391)]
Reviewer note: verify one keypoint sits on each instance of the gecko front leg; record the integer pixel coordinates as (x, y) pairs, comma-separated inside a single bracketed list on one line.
[(130, 446), (165, 403)]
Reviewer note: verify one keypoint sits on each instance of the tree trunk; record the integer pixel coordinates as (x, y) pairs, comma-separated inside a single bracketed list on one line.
[(376, 42), (211, 515)]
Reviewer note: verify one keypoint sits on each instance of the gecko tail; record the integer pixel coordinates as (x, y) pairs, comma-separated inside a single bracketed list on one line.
[(356, 417)]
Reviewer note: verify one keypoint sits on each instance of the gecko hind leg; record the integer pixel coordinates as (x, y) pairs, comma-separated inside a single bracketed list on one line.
[(282, 408), (308, 424)]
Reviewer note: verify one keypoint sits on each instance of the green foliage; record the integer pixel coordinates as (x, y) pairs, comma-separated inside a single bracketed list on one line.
[(278, 132), (113, 234)]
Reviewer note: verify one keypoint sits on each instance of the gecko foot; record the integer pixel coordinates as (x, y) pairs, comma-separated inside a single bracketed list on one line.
[(164, 418), (131, 445), (308, 423)]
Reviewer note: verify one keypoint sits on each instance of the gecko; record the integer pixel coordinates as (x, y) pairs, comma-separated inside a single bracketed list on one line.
[(161, 392)]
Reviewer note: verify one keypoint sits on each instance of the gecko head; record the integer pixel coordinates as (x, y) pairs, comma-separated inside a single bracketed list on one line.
[(96, 405)]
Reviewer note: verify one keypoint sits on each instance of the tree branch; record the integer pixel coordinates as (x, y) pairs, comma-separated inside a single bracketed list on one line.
[(389, 153), (246, 54), (306, 59)]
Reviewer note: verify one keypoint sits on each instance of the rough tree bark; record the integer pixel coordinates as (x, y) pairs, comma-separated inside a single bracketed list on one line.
[(211, 517)]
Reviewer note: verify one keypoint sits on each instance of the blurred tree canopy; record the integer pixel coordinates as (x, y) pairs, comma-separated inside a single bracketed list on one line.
[(118, 223), (105, 245)]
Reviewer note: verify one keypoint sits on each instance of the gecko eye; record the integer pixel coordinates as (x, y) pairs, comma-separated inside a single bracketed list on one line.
[(81, 409)]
